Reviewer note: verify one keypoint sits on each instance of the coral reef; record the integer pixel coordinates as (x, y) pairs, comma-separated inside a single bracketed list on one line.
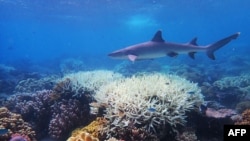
[(33, 107), (245, 118), (228, 91), (30, 85), (148, 101), (82, 136), (50, 114), (72, 65), (221, 113), (67, 114), (128, 69), (91, 80), (233, 81), (130, 134), (94, 128), (242, 106), (187, 135), (18, 137), (15, 125)]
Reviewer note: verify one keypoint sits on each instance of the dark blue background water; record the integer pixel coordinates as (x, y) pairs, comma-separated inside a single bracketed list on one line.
[(44, 31)]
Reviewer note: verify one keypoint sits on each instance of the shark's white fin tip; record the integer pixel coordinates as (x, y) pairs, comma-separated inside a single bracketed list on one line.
[(132, 57)]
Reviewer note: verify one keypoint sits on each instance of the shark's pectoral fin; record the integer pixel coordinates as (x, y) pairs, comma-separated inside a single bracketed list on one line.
[(132, 57), (172, 54), (191, 54)]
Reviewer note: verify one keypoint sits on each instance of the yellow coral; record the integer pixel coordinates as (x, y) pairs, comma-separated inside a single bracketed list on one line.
[(93, 129), (82, 136)]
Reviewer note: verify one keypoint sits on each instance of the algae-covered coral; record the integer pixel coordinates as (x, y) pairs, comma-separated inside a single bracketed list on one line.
[(149, 101)]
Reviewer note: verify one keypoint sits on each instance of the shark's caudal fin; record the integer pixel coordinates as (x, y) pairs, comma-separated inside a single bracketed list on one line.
[(217, 45)]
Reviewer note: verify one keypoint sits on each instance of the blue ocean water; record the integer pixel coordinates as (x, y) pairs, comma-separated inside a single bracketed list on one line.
[(40, 35), (46, 30)]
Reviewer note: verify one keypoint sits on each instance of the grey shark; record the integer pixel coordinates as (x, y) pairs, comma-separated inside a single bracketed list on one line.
[(158, 47)]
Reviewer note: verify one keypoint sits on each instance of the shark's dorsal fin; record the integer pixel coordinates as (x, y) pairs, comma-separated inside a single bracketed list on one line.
[(157, 37), (193, 42)]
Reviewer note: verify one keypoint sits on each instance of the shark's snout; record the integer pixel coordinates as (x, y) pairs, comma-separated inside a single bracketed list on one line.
[(113, 54)]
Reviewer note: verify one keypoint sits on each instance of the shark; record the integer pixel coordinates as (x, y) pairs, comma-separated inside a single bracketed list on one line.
[(158, 47)]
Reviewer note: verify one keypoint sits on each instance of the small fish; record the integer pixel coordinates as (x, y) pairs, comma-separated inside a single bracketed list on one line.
[(3, 131), (191, 92), (151, 109)]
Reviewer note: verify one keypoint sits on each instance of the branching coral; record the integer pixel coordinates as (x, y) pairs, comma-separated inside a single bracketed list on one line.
[(15, 124), (233, 81), (91, 80), (31, 85), (149, 101)]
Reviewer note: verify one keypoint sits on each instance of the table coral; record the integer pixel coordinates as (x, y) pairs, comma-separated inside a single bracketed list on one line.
[(15, 125), (150, 101)]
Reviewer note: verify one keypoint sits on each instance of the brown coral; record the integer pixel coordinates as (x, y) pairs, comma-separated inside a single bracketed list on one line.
[(245, 118), (94, 128), (187, 135), (15, 125), (82, 136)]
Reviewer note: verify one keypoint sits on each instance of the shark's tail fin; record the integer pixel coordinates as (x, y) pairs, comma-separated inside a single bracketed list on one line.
[(217, 45)]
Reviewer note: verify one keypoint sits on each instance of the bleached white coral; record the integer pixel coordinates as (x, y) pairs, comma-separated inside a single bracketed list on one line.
[(91, 80), (233, 81), (149, 100)]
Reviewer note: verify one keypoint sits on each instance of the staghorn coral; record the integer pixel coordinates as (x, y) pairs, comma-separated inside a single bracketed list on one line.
[(15, 125), (90, 80), (82, 136), (149, 101), (245, 118)]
